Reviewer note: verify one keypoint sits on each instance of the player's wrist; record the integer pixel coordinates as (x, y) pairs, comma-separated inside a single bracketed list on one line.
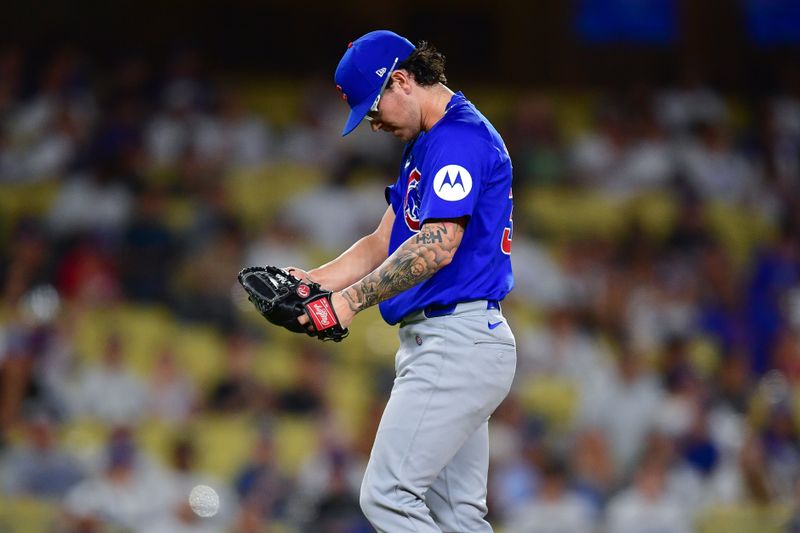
[(351, 297)]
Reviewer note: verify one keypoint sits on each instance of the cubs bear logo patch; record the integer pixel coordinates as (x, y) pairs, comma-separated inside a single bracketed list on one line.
[(412, 202)]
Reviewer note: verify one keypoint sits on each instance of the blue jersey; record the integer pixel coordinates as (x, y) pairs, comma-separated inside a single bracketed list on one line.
[(460, 167)]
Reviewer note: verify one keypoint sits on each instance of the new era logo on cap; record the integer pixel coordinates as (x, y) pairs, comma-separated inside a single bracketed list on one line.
[(362, 68)]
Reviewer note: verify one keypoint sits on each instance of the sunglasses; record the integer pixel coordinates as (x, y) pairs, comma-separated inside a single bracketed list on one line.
[(374, 109)]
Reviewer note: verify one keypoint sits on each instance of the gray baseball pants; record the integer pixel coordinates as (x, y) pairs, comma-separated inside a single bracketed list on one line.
[(429, 464)]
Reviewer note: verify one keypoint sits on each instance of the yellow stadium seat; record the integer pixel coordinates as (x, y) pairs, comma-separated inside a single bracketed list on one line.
[(224, 443), (276, 364), (180, 213), (144, 331), (156, 437), (243, 189), (574, 113), (200, 352), (296, 439), (27, 515), (656, 212), (554, 399), (568, 214), (744, 518), (84, 437), (28, 199), (92, 328), (738, 229), (350, 395), (148, 331), (279, 102), (370, 340), (705, 355)]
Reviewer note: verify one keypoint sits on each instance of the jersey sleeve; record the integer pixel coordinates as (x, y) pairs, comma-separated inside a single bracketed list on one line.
[(393, 197), (453, 169)]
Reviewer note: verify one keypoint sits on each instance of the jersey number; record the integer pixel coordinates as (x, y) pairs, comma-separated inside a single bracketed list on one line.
[(508, 231)]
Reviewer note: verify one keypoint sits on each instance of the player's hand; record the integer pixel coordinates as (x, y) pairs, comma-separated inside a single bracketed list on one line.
[(340, 307), (299, 273)]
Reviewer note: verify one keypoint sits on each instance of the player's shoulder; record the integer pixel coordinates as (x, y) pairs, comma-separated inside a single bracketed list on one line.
[(463, 125)]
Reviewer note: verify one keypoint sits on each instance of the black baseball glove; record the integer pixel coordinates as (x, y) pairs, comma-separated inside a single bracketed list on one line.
[(281, 298)]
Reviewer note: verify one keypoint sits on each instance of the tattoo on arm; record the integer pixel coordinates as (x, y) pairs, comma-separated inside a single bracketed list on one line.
[(417, 259)]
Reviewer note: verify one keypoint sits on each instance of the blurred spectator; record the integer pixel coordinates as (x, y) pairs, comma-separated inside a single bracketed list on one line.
[(201, 288), (128, 493), (649, 163), (278, 244), (563, 349), (313, 137), (180, 480), (598, 155), (237, 390), (593, 467), (328, 486), (516, 453), (184, 93), (735, 384), (536, 142), (100, 187), (754, 470), (110, 392), (690, 102), (32, 348), (170, 396), (556, 508), (232, 136), (39, 468), (307, 395), (338, 509), (27, 265), (781, 444), (647, 506), (624, 156), (722, 312), (262, 489), (715, 170), (89, 273), (629, 413), (681, 403), (36, 356), (774, 273), (357, 211), (149, 248), (44, 132), (537, 276)]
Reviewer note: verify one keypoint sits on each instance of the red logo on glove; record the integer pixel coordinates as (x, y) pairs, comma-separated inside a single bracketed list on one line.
[(321, 313), (303, 291)]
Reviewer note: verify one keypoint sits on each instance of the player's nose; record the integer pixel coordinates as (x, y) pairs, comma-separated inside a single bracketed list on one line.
[(375, 125)]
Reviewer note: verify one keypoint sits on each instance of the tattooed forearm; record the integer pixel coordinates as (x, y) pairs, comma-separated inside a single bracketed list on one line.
[(431, 236), (419, 258)]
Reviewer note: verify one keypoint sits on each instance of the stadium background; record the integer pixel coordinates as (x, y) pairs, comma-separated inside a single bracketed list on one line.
[(149, 151)]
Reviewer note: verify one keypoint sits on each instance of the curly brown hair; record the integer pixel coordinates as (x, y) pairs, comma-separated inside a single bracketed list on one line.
[(426, 64)]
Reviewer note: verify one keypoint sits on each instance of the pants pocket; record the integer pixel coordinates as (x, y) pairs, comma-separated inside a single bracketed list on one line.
[(500, 342)]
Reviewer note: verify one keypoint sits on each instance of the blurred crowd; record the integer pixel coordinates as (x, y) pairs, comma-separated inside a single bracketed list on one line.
[(657, 306)]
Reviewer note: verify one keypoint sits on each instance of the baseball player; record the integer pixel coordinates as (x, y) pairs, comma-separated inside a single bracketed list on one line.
[(438, 265)]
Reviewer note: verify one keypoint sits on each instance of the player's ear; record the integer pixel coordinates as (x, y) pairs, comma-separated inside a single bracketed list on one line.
[(402, 80)]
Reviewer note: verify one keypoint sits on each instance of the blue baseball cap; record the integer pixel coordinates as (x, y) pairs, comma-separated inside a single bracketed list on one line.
[(363, 69)]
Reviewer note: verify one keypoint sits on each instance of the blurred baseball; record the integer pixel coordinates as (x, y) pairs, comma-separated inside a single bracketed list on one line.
[(204, 501)]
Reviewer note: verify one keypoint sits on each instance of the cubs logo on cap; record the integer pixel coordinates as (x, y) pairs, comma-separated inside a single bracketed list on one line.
[(361, 71)]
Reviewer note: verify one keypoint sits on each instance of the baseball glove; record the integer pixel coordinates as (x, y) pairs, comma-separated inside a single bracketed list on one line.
[(281, 298)]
